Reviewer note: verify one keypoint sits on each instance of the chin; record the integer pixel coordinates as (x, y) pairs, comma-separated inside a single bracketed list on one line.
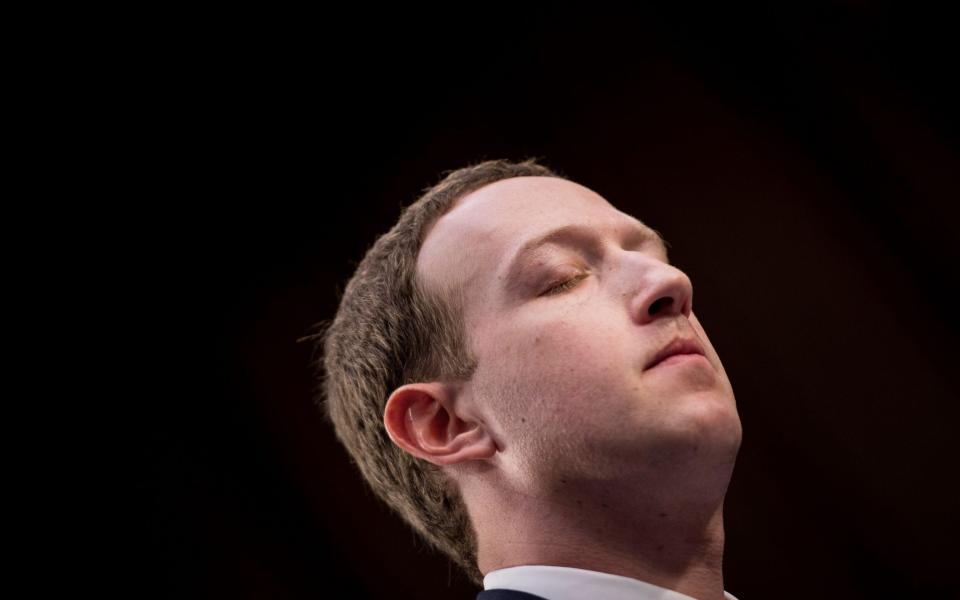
[(709, 418)]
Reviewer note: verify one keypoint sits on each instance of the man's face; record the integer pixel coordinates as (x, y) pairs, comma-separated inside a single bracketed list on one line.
[(562, 382)]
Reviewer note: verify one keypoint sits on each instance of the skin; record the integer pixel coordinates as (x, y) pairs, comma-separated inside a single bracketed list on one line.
[(566, 450)]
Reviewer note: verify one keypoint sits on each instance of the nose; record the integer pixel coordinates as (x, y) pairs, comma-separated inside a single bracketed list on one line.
[(664, 292)]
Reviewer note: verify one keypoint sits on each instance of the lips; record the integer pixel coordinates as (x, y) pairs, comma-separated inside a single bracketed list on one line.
[(677, 346)]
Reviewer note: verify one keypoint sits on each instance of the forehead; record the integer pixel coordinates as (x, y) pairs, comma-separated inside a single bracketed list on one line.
[(469, 247)]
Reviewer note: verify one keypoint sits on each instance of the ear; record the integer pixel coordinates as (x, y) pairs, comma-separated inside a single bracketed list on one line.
[(421, 418)]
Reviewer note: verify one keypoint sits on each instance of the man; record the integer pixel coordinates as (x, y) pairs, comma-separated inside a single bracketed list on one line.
[(571, 416)]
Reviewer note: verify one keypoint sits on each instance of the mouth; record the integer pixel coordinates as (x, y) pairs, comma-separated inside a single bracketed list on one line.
[(677, 347)]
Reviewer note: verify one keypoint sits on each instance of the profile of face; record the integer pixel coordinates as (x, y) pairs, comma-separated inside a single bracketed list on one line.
[(568, 301)]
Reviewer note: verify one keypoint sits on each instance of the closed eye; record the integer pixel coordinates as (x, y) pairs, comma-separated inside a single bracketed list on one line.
[(563, 286)]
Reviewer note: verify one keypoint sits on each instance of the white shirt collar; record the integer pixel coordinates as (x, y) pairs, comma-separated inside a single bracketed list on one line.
[(567, 583)]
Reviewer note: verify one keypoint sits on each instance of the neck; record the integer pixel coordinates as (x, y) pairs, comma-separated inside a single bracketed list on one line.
[(670, 541)]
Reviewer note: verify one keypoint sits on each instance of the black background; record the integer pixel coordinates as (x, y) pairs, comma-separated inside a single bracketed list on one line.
[(801, 161)]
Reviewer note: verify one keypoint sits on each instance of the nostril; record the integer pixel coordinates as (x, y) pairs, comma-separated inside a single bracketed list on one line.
[(660, 304)]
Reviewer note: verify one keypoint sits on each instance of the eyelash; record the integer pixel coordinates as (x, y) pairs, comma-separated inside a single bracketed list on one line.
[(563, 285), (567, 284)]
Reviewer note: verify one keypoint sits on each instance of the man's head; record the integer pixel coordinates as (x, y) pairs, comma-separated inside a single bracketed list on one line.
[(559, 303)]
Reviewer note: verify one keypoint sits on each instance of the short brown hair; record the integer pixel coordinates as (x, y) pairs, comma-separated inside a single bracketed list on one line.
[(390, 330)]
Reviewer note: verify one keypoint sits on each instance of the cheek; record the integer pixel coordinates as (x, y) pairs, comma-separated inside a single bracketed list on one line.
[(561, 362), (563, 346)]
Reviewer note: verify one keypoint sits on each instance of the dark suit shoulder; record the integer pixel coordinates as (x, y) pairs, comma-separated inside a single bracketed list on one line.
[(501, 594)]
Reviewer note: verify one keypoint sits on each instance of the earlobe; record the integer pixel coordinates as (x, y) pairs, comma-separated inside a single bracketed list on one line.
[(421, 419)]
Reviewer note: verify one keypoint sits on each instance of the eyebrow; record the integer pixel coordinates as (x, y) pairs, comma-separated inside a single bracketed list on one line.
[(574, 235)]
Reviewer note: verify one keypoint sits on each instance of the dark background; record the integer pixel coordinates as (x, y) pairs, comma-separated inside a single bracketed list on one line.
[(802, 161)]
